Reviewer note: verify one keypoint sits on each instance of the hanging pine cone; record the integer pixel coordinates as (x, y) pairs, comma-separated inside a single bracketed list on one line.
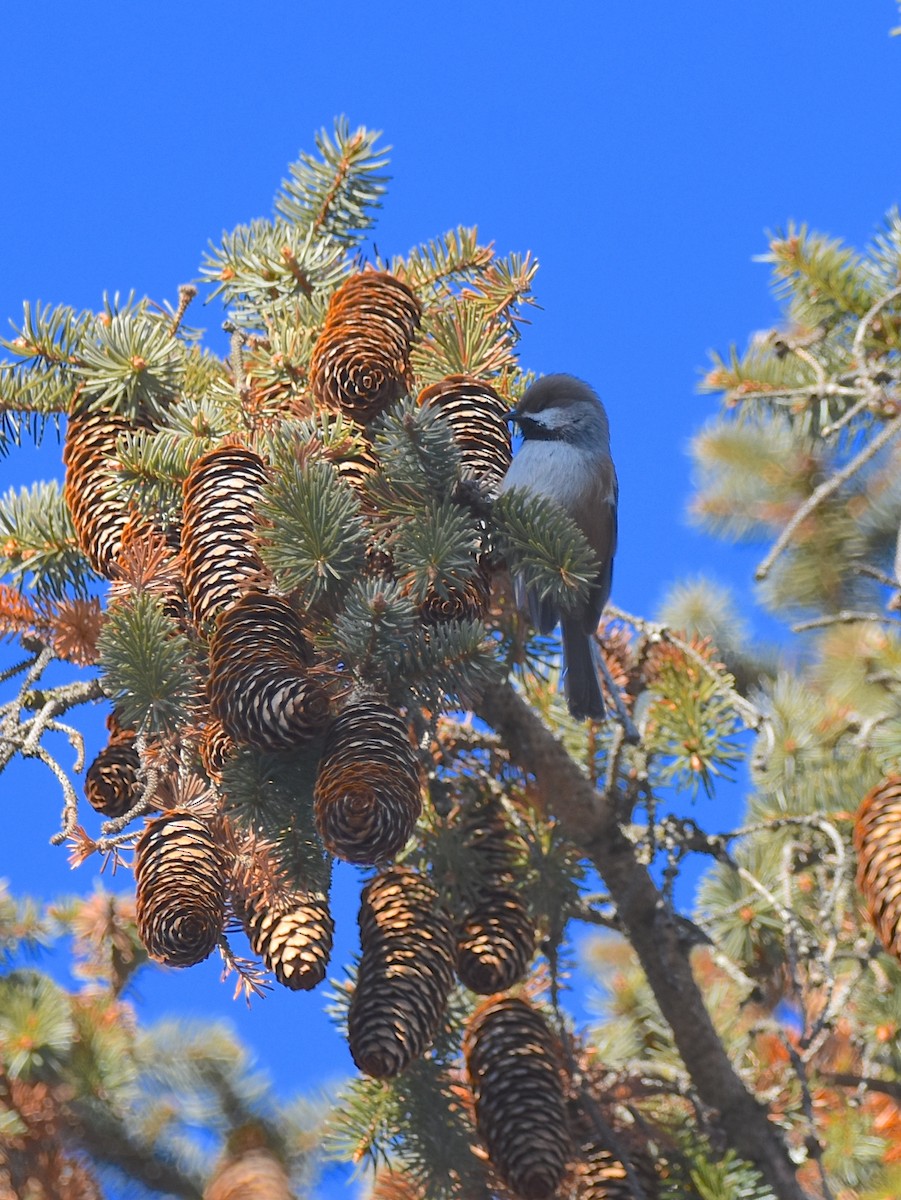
[(111, 781), (360, 362), (513, 1071), (180, 877), (877, 840), (262, 687), (495, 943), (256, 1175), (367, 795), (496, 939), (600, 1175), (290, 928), (221, 495), (88, 454), (477, 417), (406, 972)]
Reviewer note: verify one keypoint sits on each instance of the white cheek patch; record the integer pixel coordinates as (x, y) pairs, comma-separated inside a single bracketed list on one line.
[(550, 418)]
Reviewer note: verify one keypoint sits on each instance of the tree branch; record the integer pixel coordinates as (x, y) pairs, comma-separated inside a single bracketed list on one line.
[(590, 820)]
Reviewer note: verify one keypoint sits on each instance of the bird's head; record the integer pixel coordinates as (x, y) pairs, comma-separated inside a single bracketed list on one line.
[(562, 408)]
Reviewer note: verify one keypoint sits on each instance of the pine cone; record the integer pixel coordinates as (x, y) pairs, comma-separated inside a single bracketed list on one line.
[(600, 1175), (513, 1071), (221, 495), (261, 686), (99, 519), (406, 972), (290, 928), (111, 782), (492, 841), (495, 943), (877, 840), (367, 795), (477, 417), (216, 748), (180, 877), (360, 363), (449, 604)]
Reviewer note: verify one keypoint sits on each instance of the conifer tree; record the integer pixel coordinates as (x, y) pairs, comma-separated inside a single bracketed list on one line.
[(290, 571)]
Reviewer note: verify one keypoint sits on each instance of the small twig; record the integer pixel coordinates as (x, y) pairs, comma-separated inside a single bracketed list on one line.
[(824, 491), (814, 1142), (847, 417), (843, 618)]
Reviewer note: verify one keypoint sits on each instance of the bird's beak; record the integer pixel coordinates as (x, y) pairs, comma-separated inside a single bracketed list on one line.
[(512, 415)]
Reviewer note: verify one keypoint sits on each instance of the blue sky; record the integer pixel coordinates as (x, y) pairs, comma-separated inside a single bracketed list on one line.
[(640, 150)]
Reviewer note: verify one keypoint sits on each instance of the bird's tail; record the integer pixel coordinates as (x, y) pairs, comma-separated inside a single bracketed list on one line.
[(580, 681)]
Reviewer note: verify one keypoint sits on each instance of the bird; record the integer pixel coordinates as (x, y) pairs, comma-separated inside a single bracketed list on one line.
[(565, 456)]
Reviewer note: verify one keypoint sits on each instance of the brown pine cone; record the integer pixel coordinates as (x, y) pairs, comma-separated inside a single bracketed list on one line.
[(289, 927), (88, 454), (406, 972), (180, 877), (877, 840), (261, 686), (111, 781), (360, 362), (512, 1065), (221, 495), (477, 417), (495, 943), (368, 795)]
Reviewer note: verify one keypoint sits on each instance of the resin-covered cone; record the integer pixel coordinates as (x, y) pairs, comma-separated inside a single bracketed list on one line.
[(180, 873), (512, 1066), (111, 781), (262, 687), (477, 417), (877, 840), (289, 927), (368, 795), (405, 975), (495, 943), (221, 495), (99, 517), (360, 363)]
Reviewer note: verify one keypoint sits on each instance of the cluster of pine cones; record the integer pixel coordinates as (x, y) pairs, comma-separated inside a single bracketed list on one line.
[(265, 690)]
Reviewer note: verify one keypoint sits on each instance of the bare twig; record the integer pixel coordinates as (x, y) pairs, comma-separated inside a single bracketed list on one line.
[(843, 618)]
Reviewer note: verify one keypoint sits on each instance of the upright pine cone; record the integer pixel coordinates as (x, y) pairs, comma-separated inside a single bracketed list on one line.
[(477, 417), (496, 939), (513, 1071), (99, 519), (261, 685), (406, 972), (877, 839), (111, 781), (221, 495), (289, 927), (180, 874), (367, 795), (360, 363)]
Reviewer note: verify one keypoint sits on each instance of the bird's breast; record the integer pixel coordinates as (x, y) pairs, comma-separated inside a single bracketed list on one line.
[(554, 469)]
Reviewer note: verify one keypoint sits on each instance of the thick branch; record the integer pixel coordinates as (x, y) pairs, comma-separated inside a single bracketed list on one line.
[(589, 819)]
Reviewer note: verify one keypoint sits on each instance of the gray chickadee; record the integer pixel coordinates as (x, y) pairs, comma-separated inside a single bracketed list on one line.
[(565, 455)]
